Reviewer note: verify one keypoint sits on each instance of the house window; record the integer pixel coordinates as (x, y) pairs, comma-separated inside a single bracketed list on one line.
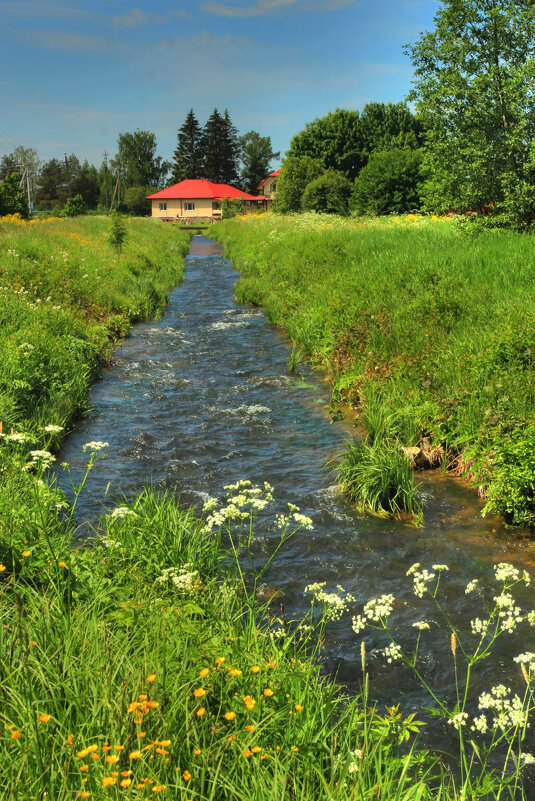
[(189, 206), (273, 186), (163, 206)]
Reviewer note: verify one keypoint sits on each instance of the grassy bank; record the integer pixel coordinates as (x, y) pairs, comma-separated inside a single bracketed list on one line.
[(428, 332)]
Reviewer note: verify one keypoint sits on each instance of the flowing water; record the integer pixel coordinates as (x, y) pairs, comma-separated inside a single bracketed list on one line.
[(203, 397)]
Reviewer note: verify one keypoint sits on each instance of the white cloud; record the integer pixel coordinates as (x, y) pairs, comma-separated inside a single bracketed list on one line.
[(264, 7), (136, 17)]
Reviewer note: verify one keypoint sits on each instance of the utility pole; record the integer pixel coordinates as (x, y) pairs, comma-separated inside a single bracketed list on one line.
[(106, 178), (25, 182)]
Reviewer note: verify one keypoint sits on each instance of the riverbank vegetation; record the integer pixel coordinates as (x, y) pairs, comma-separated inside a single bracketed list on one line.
[(427, 331)]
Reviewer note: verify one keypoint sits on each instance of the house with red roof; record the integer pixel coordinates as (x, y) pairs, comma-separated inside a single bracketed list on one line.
[(196, 200), (268, 187)]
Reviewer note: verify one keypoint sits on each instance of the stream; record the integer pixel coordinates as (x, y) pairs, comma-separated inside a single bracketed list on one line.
[(203, 397)]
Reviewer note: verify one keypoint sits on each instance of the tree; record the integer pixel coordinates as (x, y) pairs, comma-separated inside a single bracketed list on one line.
[(75, 206), (87, 184), (328, 194), (296, 172), (230, 151), (256, 154), (389, 183), (135, 200), (343, 140), (474, 77), (211, 144), (8, 166), (52, 183), (334, 140), (13, 198), (136, 158), (188, 156)]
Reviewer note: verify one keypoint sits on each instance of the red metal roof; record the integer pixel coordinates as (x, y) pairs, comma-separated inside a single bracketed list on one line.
[(271, 175), (192, 189)]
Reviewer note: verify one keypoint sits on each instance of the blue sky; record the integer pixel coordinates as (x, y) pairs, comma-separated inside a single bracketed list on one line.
[(73, 76)]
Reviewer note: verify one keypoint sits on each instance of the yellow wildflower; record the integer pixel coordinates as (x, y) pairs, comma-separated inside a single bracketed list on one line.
[(255, 668), (108, 781), (44, 718), (247, 753), (256, 749), (249, 728), (200, 712), (112, 759), (151, 678), (249, 702), (234, 672), (186, 775), (268, 692), (125, 782), (196, 751), (199, 692), (135, 755), (26, 553), (84, 767), (230, 715), (220, 660), (2, 568), (299, 707), (204, 672)]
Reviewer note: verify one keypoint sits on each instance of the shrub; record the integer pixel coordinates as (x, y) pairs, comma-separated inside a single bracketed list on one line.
[(13, 197), (296, 172), (389, 183), (328, 194), (117, 233), (75, 207)]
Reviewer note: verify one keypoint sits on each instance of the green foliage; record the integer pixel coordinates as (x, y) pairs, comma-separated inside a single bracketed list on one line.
[(136, 158), (344, 140), (256, 155), (75, 206), (389, 183), (135, 200), (378, 477), (230, 207), (471, 72), (328, 194), (13, 198), (296, 172), (118, 233), (221, 149)]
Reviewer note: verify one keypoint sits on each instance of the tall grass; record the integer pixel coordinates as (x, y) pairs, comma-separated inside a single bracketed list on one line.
[(427, 331)]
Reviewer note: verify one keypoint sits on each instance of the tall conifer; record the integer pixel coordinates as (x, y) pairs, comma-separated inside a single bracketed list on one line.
[(230, 151), (188, 156), (212, 146)]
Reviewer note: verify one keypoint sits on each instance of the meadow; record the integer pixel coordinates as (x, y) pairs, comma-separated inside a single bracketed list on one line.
[(423, 327), (139, 663)]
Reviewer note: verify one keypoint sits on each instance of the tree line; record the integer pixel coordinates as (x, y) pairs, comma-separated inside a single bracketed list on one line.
[(215, 151), (467, 146)]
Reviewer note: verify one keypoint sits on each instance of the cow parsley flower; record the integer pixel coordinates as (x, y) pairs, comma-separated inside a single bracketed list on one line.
[(392, 652), (458, 720)]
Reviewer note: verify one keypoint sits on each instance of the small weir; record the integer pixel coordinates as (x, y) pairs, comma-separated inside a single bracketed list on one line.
[(203, 397)]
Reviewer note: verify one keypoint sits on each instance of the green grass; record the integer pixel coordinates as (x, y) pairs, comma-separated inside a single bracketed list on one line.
[(428, 332)]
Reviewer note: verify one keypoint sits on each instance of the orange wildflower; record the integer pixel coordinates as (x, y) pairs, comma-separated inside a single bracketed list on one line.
[(135, 755), (204, 672), (249, 728), (95, 756), (159, 787), (84, 767), (256, 749), (69, 740), (186, 775), (151, 678), (255, 668), (85, 794), (196, 751), (44, 717), (63, 564), (143, 697), (161, 750), (200, 712), (299, 707), (231, 738), (230, 715), (247, 753), (234, 672), (106, 748), (220, 660), (2, 568), (26, 553), (249, 702), (108, 781), (164, 743), (119, 747), (126, 773), (199, 692), (125, 782), (268, 692), (112, 759)]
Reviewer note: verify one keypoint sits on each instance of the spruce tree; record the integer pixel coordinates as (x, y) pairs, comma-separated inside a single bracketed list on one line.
[(230, 151), (188, 156), (212, 142)]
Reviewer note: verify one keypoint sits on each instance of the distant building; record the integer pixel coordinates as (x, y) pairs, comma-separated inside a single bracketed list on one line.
[(196, 200), (268, 187)]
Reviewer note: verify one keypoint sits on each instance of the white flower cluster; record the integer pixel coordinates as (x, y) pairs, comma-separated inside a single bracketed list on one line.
[(182, 578), (336, 605), (240, 496), (375, 611), (527, 759), (20, 438), (423, 577), (392, 652), (42, 458), (52, 429), (120, 512), (110, 543), (508, 573), (458, 720), (509, 614), (354, 766), (508, 711), (471, 586), (527, 659), (94, 446), (421, 625)]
